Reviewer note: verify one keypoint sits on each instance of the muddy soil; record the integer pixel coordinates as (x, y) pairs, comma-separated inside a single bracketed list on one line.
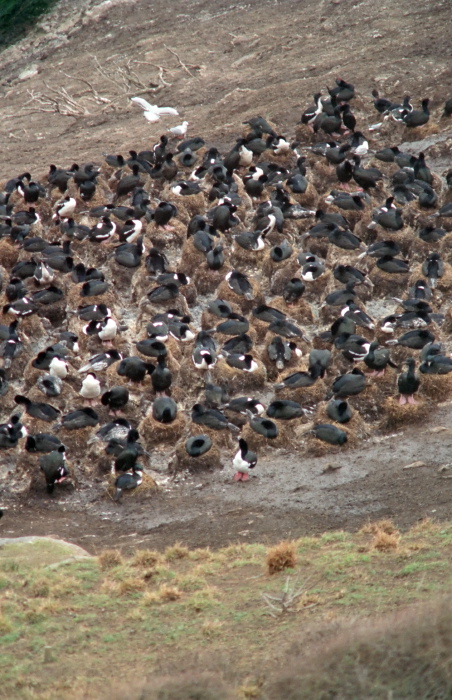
[(220, 63), (406, 476)]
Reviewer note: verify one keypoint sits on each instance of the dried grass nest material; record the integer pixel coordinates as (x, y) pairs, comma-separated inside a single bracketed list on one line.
[(209, 460), (395, 414), (147, 488)]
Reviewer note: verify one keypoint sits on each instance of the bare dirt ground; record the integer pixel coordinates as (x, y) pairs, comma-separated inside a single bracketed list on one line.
[(224, 63), (289, 497), (240, 60)]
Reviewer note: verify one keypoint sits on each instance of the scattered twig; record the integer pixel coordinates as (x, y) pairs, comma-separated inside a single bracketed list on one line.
[(120, 74), (181, 63), (104, 73), (98, 98), (284, 603), (63, 103), (161, 70), (109, 495)]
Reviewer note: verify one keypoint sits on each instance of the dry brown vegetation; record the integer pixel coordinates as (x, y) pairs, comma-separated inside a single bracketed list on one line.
[(146, 557), (403, 656), (110, 558), (281, 556)]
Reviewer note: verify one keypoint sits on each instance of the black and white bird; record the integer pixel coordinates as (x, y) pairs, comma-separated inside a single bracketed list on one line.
[(97, 363), (65, 208), (130, 231), (211, 418), (128, 481), (102, 231), (54, 467), (105, 330), (50, 386), (243, 461)]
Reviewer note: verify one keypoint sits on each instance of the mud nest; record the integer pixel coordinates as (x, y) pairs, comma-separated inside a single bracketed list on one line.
[(396, 415), (153, 433), (143, 492), (207, 461)]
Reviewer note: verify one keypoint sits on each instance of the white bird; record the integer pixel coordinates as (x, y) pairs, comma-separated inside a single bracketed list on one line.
[(151, 116), (180, 130), (90, 388), (163, 111), (153, 109), (58, 368)]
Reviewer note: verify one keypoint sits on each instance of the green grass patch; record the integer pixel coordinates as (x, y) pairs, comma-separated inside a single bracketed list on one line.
[(18, 16), (157, 612)]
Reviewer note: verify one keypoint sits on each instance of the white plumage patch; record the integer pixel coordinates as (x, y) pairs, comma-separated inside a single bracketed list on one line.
[(90, 387), (58, 368)]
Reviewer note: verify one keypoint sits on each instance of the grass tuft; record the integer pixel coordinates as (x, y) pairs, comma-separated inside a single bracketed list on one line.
[(150, 598), (189, 582), (203, 599), (109, 559), (212, 628), (169, 594), (146, 558), (281, 556), (201, 554), (110, 587), (386, 526), (384, 541), (131, 585), (386, 536), (175, 552)]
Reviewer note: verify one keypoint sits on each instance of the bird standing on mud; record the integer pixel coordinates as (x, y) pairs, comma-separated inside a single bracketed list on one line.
[(243, 461)]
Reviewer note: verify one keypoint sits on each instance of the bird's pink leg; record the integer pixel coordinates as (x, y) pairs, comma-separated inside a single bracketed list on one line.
[(402, 399), (376, 373)]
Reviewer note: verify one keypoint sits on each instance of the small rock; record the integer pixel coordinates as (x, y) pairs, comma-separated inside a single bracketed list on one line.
[(28, 72), (414, 465)]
